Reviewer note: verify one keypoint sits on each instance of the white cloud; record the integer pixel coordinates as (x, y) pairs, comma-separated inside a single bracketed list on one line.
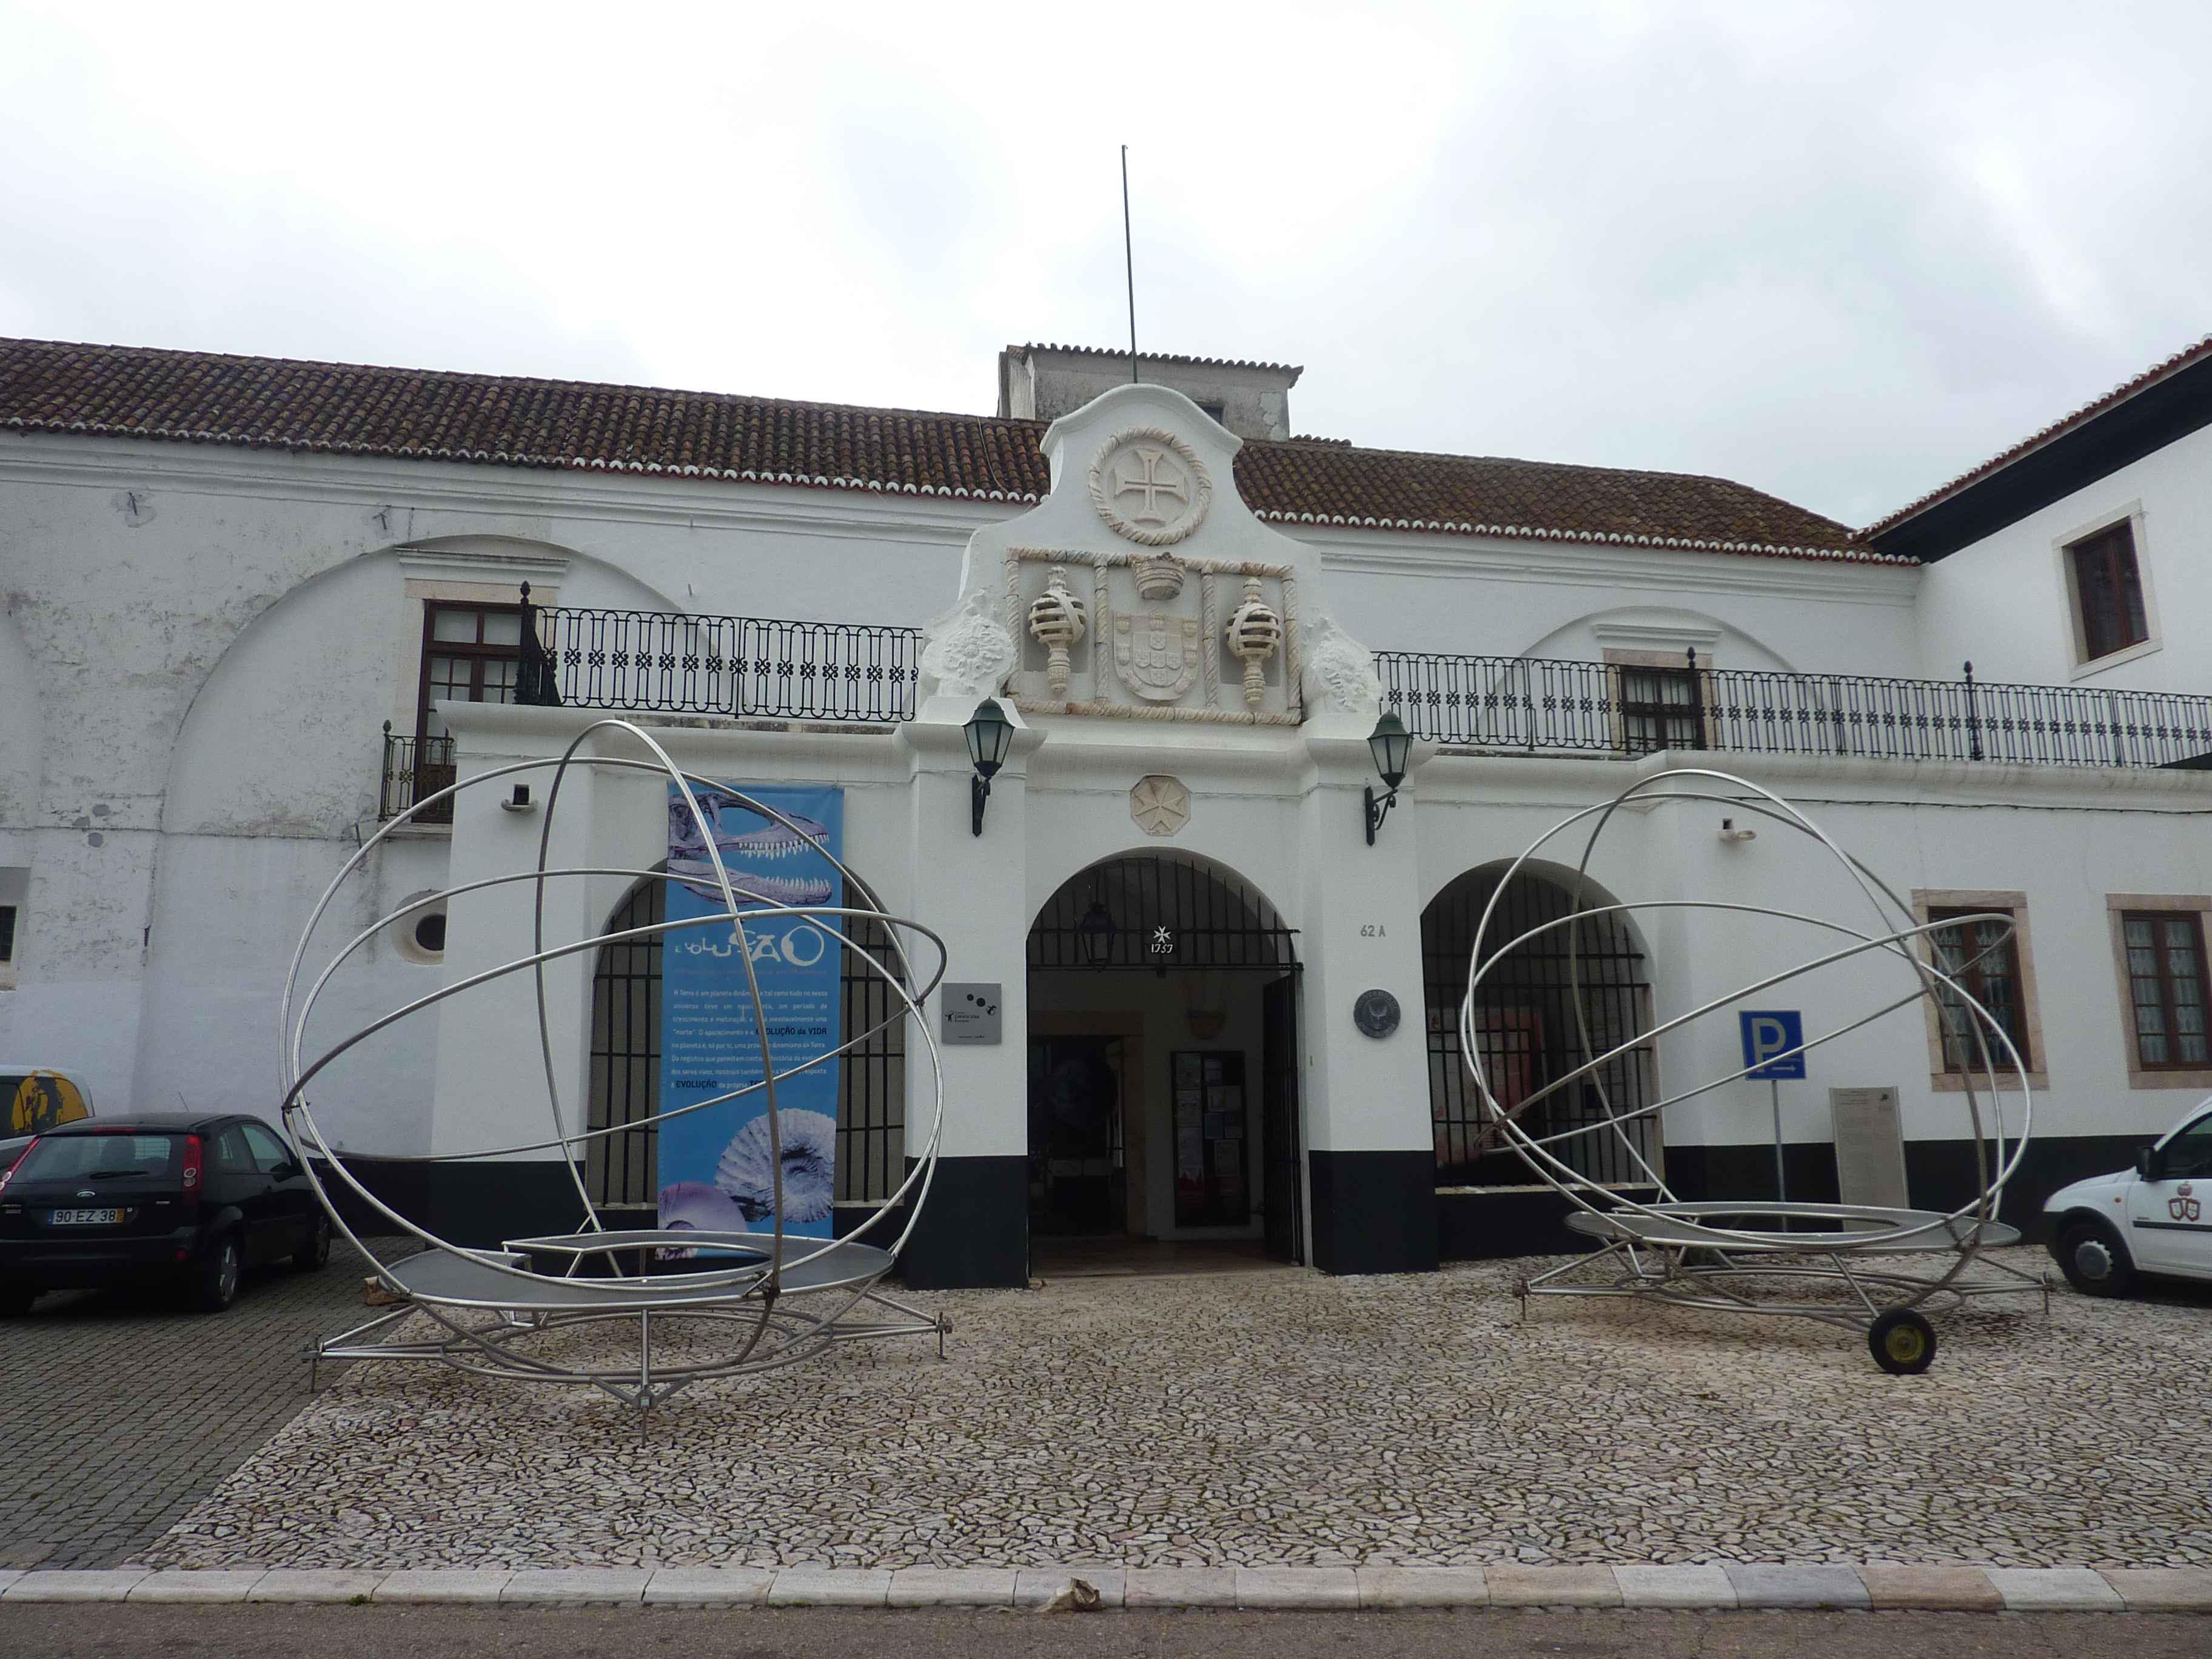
[(1838, 253)]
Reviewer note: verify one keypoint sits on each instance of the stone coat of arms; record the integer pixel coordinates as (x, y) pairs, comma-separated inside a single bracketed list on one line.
[(1156, 654)]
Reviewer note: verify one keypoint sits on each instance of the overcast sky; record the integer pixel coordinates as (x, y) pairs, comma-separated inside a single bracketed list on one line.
[(1839, 251)]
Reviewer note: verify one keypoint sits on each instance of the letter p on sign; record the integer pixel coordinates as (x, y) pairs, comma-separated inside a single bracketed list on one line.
[(1772, 1031)]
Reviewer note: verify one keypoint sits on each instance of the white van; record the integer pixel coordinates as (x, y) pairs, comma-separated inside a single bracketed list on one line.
[(2153, 1219)]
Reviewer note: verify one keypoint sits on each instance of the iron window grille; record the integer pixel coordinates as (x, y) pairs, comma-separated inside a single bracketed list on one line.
[(2108, 592), (1555, 1002), (1987, 964), (620, 1169), (2165, 984)]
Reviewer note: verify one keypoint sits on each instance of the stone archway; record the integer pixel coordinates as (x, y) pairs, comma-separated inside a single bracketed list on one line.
[(1162, 1077), (1554, 1002)]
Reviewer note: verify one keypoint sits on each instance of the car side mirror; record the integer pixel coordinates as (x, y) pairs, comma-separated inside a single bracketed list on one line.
[(287, 1171), (2146, 1162)]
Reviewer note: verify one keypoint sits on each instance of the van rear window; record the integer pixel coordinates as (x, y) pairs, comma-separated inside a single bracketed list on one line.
[(95, 1158)]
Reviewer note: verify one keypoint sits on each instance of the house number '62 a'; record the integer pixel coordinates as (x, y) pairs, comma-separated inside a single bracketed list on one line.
[(1373, 930)]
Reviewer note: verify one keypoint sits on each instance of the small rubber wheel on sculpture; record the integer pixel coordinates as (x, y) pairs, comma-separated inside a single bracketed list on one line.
[(1903, 1343)]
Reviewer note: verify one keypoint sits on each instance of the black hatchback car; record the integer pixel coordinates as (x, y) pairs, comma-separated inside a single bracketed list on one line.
[(173, 1198)]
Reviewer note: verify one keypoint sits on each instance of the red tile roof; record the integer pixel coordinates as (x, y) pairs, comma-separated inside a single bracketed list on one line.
[(2150, 377), (349, 410)]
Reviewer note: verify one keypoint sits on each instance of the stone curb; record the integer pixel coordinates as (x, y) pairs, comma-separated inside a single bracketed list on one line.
[(1512, 1585)]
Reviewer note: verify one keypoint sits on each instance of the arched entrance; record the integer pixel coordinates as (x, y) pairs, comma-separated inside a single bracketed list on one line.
[(1554, 1003), (1162, 1061), (624, 1085)]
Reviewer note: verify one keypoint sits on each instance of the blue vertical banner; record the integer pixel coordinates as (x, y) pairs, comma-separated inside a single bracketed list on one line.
[(716, 1166)]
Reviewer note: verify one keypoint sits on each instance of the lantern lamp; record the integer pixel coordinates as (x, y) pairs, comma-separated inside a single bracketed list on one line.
[(990, 735), (1391, 745)]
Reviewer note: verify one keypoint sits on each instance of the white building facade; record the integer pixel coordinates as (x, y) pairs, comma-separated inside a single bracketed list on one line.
[(254, 609)]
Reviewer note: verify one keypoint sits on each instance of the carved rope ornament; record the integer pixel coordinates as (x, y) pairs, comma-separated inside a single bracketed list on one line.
[(1138, 469)]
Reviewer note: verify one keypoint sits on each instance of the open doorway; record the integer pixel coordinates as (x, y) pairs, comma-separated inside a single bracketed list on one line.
[(1163, 1065)]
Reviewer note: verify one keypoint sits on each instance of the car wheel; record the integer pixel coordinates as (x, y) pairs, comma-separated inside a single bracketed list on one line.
[(15, 1302), (217, 1287), (315, 1253), (1903, 1343), (2094, 1262)]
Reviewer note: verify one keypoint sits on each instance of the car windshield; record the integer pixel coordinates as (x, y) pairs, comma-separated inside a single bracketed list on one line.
[(98, 1158)]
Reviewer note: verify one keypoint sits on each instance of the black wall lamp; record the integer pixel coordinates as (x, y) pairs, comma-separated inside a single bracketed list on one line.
[(1391, 745), (990, 735)]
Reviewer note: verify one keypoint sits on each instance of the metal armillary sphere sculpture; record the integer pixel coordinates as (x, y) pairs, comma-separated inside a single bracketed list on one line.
[(1758, 1256), (638, 1314)]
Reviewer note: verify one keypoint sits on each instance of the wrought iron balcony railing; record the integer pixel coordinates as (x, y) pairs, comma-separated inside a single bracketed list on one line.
[(841, 672), (1528, 705), (413, 770), (745, 666)]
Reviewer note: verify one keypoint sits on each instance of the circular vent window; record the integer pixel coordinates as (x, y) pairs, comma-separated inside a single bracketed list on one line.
[(420, 935)]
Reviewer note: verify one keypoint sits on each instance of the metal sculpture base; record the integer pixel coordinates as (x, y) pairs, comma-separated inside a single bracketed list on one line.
[(489, 1325), (1672, 1253)]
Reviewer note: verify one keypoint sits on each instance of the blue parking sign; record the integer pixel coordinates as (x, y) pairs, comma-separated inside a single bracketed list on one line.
[(1768, 1032)]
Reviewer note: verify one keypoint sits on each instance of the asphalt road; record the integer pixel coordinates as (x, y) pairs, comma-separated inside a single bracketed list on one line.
[(434, 1632)]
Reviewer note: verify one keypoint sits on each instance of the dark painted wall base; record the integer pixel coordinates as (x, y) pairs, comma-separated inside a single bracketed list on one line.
[(1484, 1226), (1374, 1212), (975, 1230), (488, 1204), (1939, 1175)]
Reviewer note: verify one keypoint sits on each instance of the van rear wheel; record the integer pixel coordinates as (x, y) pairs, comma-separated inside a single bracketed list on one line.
[(15, 1301), (2094, 1262)]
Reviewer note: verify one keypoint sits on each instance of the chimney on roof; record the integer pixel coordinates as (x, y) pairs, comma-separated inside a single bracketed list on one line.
[(1044, 382)]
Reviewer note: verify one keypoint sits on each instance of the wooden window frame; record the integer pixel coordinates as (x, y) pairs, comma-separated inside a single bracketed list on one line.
[(2126, 523), (1974, 978), (1620, 663), (2168, 1005), (2118, 907), (477, 652), (1928, 904)]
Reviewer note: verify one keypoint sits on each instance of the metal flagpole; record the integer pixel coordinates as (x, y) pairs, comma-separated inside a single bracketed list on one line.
[(1128, 264)]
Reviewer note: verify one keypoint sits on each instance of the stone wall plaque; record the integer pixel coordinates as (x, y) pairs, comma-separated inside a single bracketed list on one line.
[(1870, 1146)]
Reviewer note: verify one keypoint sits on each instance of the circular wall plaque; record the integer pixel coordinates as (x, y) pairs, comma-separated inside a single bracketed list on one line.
[(1376, 1012)]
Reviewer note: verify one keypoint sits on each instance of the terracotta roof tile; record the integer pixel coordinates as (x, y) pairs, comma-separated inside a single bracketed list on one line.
[(1292, 369), (351, 409)]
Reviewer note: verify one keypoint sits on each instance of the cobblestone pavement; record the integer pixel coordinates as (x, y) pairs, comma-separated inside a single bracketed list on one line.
[(1282, 1419), (120, 1410)]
